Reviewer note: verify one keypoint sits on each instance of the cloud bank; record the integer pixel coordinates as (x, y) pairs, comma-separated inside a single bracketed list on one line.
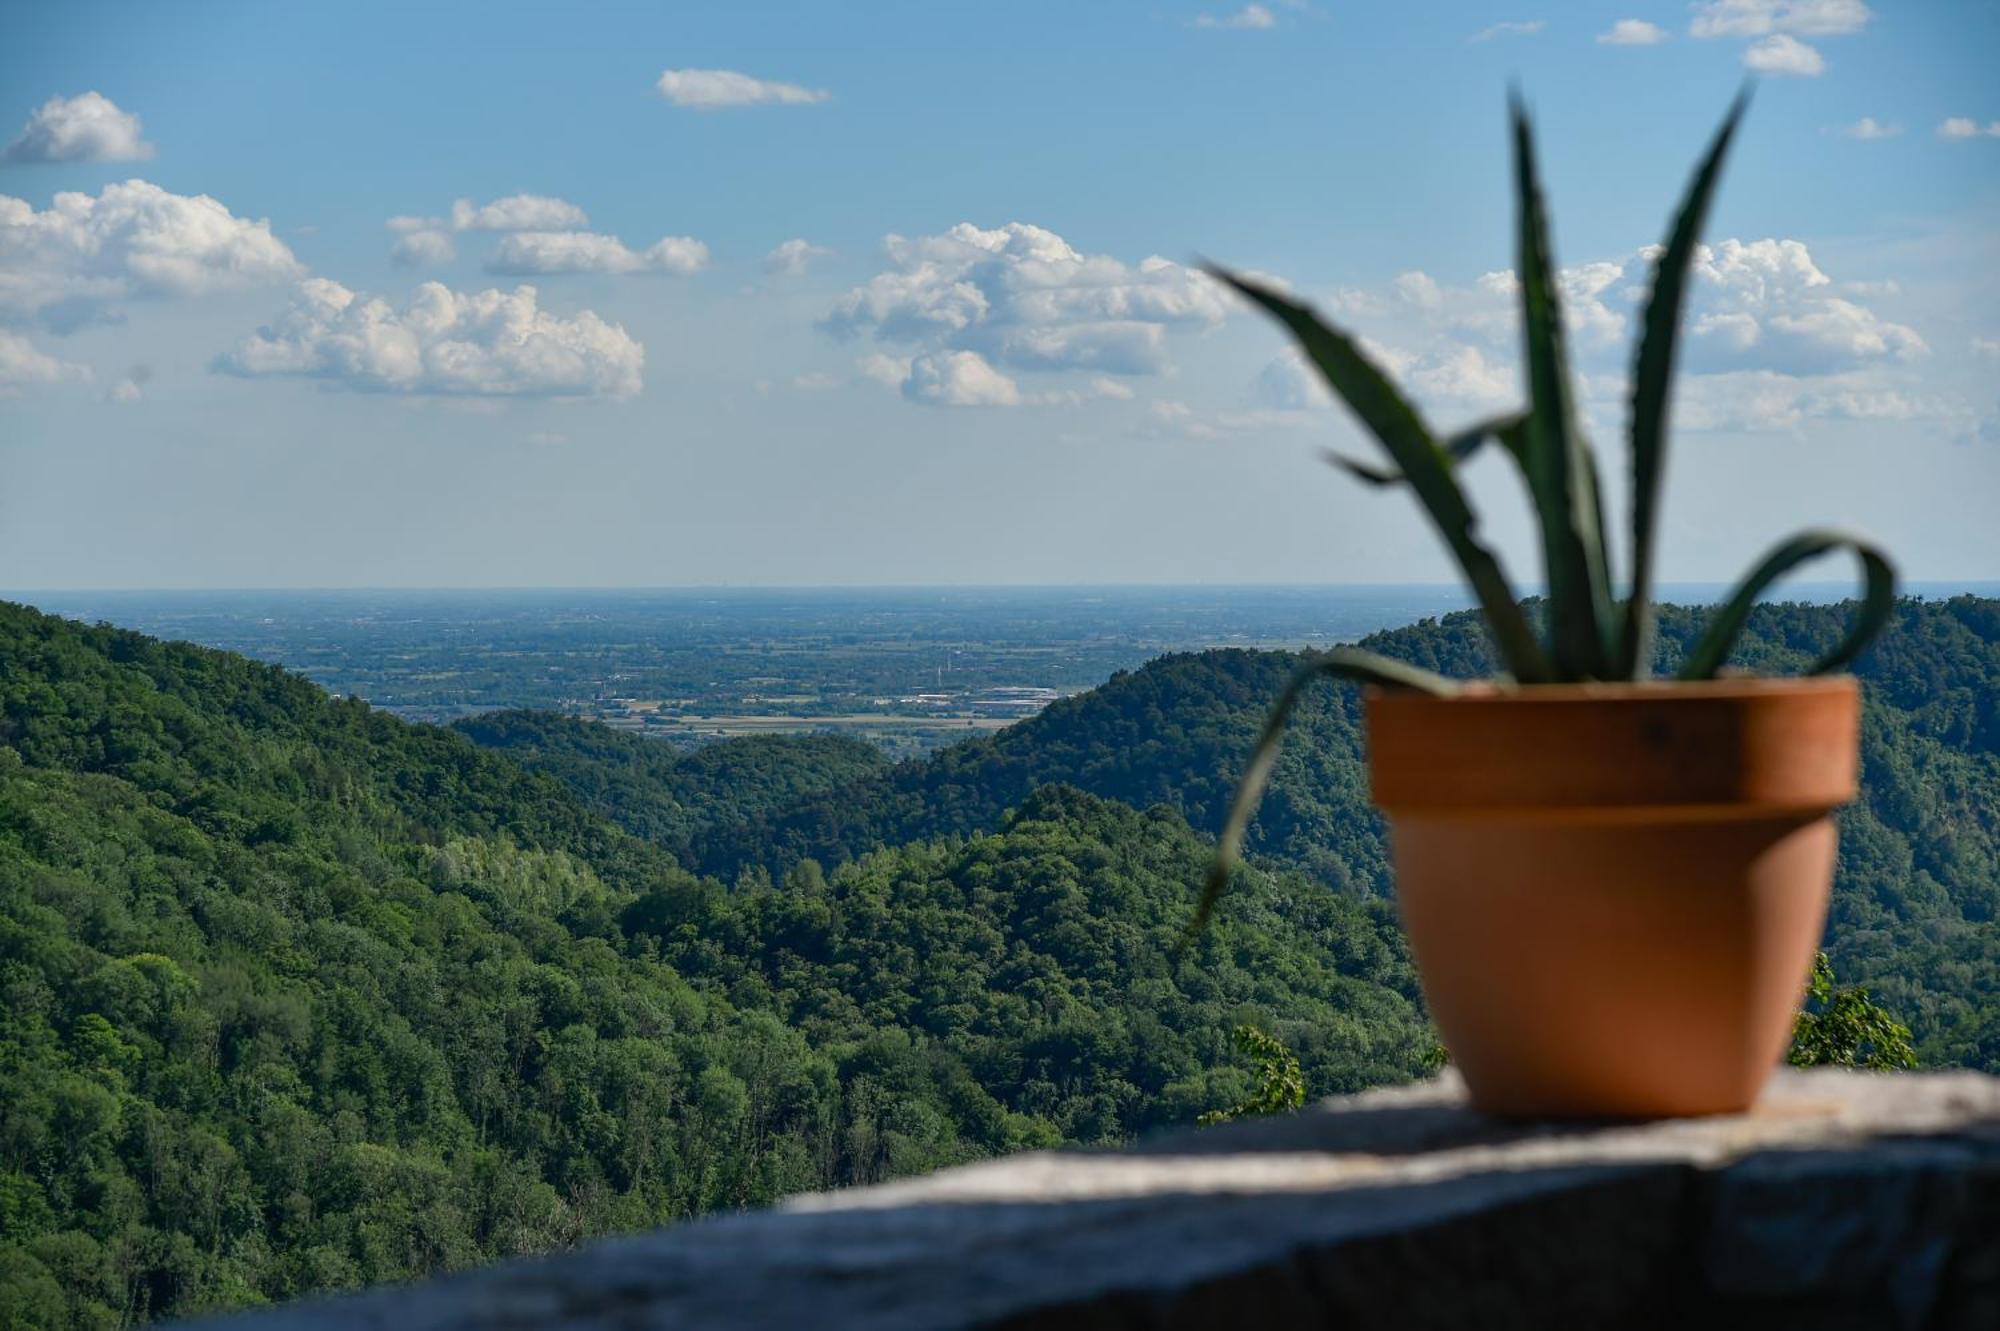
[(1777, 26), (518, 212), (532, 253), (1771, 341), (69, 265), (483, 344), (1760, 18), (1020, 297), (539, 236)]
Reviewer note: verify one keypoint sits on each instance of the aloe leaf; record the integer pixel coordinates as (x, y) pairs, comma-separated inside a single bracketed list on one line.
[(1403, 435), (1878, 601), (1652, 380), (1458, 447), (1593, 496), (1349, 663), (1555, 456)]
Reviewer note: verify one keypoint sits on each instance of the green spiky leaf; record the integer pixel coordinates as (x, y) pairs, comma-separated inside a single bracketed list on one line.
[(1557, 458), (1459, 448), (1427, 468), (1652, 382), (1878, 601), (1349, 663)]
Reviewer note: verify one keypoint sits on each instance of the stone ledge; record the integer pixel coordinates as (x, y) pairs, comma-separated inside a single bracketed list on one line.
[(1844, 1199)]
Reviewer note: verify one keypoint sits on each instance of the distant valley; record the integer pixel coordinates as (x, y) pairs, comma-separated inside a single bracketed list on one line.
[(909, 670)]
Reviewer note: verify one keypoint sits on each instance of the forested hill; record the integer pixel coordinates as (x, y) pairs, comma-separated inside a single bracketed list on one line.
[(1918, 889), (299, 996), (1177, 730), (669, 795)]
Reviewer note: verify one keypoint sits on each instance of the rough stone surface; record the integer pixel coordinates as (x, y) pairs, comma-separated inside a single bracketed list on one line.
[(1843, 1200)]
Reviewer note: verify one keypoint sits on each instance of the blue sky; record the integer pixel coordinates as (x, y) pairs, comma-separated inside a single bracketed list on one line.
[(727, 372)]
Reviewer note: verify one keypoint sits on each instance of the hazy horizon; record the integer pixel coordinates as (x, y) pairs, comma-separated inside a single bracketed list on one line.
[(1820, 587)]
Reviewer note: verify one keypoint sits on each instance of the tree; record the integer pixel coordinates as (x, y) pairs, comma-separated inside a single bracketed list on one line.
[(1281, 1086), (1845, 1028)]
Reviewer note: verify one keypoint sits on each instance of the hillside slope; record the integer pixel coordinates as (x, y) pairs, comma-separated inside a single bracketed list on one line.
[(1176, 732), (299, 996), (666, 795), (1918, 887)]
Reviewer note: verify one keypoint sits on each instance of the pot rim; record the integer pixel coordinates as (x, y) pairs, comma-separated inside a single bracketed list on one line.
[(1731, 688), (1740, 746)]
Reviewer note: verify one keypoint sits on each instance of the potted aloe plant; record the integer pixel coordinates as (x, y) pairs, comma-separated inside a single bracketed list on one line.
[(1613, 885)]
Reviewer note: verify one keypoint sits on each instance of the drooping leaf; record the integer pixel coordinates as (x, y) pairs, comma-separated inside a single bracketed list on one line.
[(1425, 465), (1652, 381), (1878, 601), (1572, 538), (1459, 448), (1349, 663)]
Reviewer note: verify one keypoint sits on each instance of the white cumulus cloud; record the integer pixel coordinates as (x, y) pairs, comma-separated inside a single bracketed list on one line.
[(889, 371), (529, 253), (1768, 401), (1782, 53), (1783, 340), (85, 128), (1869, 129), (1964, 127), (423, 248), (1759, 18), (132, 387), (539, 235), (959, 379), (791, 258), (23, 365), (1632, 32), (517, 212), (1250, 17), (482, 344), (68, 265), (1022, 298), (1510, 28), (1419, 288), (716, 89), (1289, 383), (1460, 377), (1766, 302)]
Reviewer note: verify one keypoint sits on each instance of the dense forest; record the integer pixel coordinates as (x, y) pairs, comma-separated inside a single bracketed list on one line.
[(299, 996), (1917, 890), (669, 795)]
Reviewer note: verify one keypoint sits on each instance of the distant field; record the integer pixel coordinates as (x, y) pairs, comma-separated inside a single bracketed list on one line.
[(942, 729), (909, 668)]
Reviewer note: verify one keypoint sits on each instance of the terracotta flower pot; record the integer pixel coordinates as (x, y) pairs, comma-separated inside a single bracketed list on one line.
[(1614, 891)]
